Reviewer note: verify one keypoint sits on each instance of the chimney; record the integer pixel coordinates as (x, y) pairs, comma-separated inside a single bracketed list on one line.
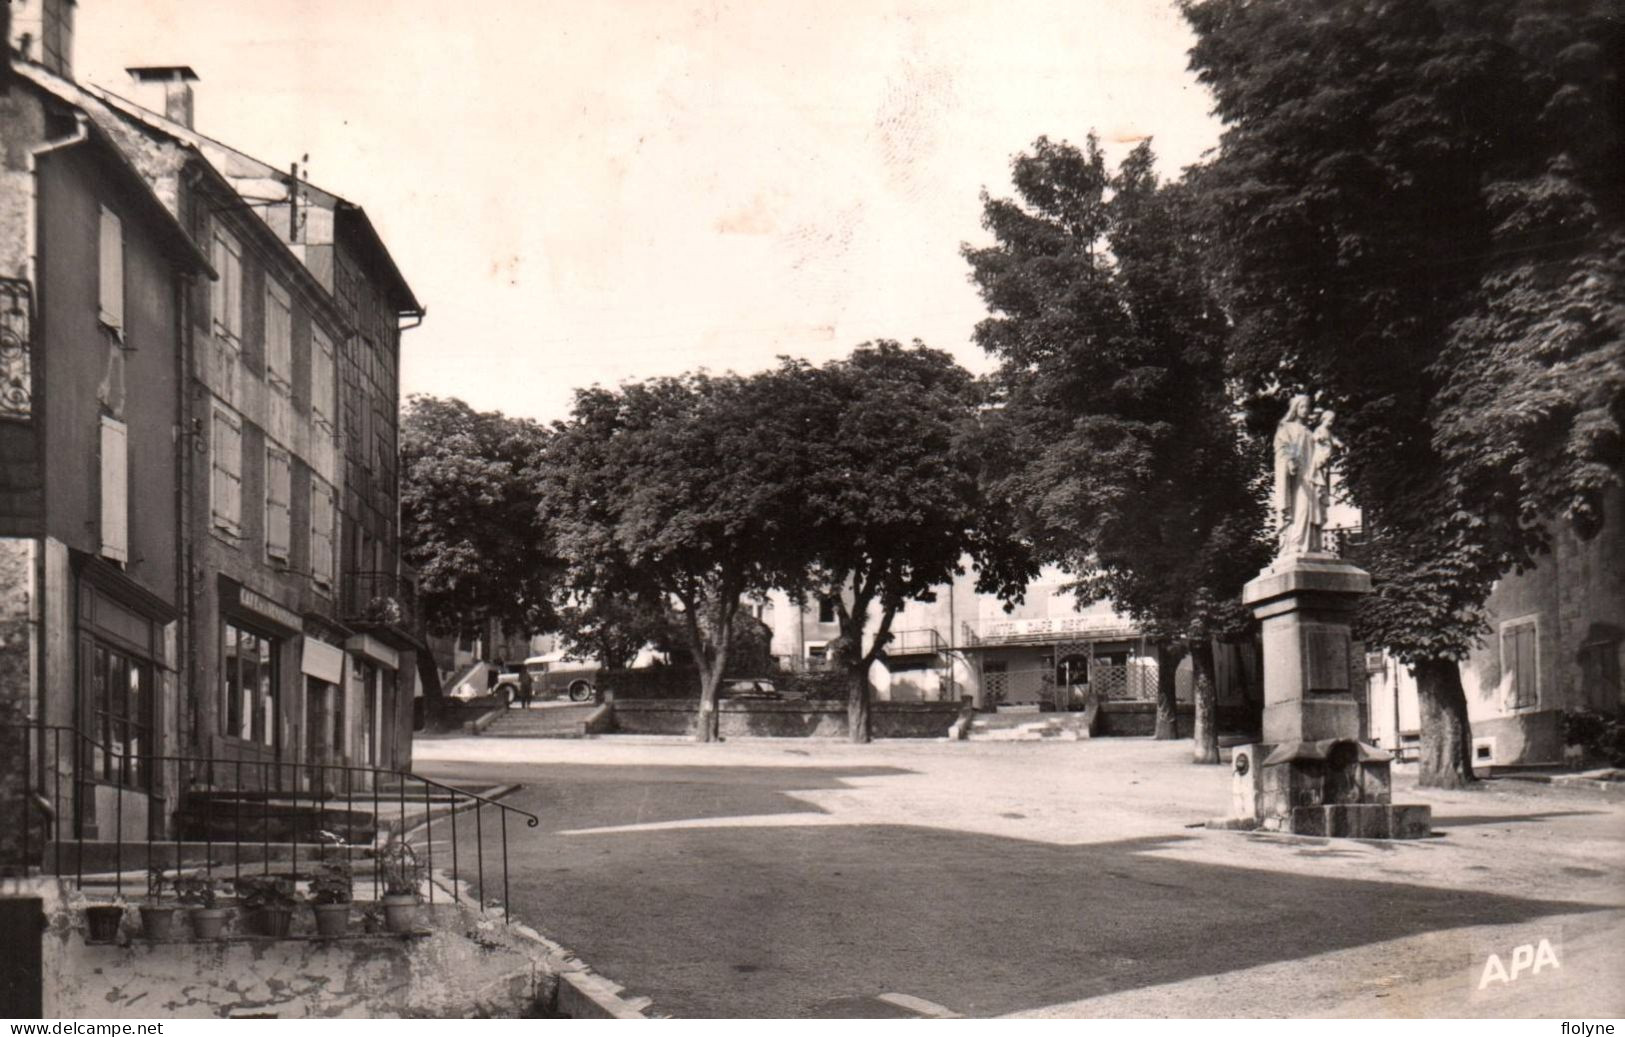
[(176, 83), (42, 32)]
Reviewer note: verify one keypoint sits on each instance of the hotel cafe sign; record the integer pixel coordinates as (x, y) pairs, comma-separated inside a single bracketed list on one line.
[(1053, 626)]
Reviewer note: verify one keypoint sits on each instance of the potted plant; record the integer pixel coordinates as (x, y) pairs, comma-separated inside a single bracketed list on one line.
[(102, 922), (157, 917), (200, 892), (402, 874), (270, 901), (330, 893)]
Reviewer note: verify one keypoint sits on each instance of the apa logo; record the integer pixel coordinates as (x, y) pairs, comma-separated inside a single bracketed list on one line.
[(1528, 957)]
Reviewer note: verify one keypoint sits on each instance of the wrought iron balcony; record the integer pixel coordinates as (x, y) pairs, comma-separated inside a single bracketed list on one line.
[(16, 337), (378, 599), (1046, 630), (916, 642)]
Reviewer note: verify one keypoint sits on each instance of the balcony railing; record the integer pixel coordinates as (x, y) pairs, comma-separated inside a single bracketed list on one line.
[(1045, 630), (16, 363), (916, 642), (236, 818), (378, 599)]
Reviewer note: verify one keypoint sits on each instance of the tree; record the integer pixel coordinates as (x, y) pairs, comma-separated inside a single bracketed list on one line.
[(470, 523), (663, 491), (1420, 211), (879, 453), (614, 629), (1123, 460)]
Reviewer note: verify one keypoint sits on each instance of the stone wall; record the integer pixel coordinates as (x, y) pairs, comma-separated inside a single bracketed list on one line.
[(786, 719), (469, 965)]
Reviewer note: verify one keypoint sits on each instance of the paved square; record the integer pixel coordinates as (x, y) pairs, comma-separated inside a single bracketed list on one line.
[(779, 878)]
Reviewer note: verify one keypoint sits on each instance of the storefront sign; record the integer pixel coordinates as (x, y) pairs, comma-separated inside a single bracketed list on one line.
[(322, 661), (265, 608)]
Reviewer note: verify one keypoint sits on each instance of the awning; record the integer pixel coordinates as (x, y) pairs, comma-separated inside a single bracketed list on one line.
[(323, 661), (369, 647)]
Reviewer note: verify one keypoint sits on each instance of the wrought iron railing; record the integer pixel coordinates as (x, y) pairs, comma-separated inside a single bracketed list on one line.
[(382, 598), (16, 336), (264, 811), (916, 642)]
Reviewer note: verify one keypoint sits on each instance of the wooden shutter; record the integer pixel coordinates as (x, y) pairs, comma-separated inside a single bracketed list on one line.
[(321, 378), (111, 266), (227, 495), (321, 533), (278, 492), (115, 491), (278, 336)]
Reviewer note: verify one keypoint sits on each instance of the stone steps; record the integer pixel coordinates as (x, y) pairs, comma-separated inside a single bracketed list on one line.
[(551, 722)]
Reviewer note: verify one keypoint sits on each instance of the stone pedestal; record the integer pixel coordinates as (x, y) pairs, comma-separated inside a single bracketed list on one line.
[(1312, 775)]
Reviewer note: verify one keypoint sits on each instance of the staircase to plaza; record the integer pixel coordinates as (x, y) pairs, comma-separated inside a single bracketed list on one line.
[(1030, 727), (544, 721)]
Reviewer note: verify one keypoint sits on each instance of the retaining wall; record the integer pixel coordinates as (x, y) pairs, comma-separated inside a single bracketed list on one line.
[(785, 719)]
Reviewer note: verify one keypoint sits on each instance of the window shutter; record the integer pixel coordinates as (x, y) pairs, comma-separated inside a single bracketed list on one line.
[(321, 378), (115, 483), (111, 282), (321, 533), (278, 336), (277, 494), (228, 472)]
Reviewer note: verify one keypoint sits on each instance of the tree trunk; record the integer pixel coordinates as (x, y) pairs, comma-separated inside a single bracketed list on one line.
[(1447, 737), (1168, 656), (857, 702), (1206, 694), (710, 681)]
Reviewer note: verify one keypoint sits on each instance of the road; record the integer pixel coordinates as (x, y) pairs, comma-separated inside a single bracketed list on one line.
[(779, 879)]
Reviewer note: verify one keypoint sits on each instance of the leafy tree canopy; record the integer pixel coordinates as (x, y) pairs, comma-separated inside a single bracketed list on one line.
[(470, 522), (1421, 209), (1118, 449)]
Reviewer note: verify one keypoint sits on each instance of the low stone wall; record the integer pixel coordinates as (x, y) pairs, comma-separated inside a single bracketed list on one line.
[(464, 965), (785, 719)]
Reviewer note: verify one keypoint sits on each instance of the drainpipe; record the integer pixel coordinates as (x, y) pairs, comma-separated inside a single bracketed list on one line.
[(80, 134)]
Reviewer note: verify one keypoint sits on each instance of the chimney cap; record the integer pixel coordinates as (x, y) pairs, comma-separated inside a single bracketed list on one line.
[(162, 73)]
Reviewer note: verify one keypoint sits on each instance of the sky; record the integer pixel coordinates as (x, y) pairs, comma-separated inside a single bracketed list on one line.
[(586, 193)]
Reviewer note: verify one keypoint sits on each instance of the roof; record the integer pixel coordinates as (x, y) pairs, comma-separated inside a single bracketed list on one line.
[(346, 213), (144, 201)]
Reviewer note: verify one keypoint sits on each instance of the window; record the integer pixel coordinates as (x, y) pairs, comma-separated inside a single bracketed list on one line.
[(248, 685), (1520, 663), (121, 702), (226, 313), (322, 367), (826, 610), (115, 491), (370, 677), (110, 254), (322, 569), (278, 492), (226, 483), (278, 336)]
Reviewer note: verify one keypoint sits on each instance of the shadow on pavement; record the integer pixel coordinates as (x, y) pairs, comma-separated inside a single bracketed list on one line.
[(771, 920)]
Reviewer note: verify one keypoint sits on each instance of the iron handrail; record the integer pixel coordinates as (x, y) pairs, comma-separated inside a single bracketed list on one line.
[(383, 793)]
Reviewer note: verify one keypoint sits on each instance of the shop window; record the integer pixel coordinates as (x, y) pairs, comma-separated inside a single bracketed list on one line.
[(120, 701), (250, 707)]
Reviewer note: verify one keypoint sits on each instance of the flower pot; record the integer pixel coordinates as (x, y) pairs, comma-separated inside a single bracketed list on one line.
[(400, 912), (157, 923), (274, 921), (102, 922), (332, 919), (207, 922)]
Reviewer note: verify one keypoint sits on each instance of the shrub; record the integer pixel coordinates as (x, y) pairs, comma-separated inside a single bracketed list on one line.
[(1601, 735)]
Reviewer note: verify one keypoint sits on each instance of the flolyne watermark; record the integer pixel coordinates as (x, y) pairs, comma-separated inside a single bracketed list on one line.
[(1588, 1029), (1526, 957)]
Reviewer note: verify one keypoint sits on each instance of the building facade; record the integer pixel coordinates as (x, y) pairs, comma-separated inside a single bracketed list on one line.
[(94, 270), (198, 497)]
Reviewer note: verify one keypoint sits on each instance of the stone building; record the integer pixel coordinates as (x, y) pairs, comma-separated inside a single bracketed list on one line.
[(94, 272), (198, 400), (1555, 643)]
